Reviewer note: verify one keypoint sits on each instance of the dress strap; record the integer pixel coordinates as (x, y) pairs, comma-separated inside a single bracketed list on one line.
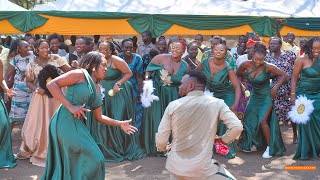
[(316, 64), (91, 85), (264, 66), (111, 62)]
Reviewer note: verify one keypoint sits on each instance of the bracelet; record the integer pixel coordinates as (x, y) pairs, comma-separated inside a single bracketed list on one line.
[(118, 84), (37, 90), (293, 93), (146, 77)]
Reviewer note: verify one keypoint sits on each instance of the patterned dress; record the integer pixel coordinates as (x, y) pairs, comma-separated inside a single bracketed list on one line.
[(136, 67), (281, 102), (243, 101), (41, 109), (20, 101)]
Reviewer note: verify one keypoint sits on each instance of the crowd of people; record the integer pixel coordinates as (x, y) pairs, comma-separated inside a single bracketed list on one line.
[(80, 106)]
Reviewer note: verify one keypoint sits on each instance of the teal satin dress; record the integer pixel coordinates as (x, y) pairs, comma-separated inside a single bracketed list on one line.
[(309, 134), (7, 160), (153, 114), (222, 88), (115, 144), (72, 152), (259, 103)]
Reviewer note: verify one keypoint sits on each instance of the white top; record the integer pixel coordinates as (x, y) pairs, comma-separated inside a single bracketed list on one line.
[(241, 59), (192, 121)]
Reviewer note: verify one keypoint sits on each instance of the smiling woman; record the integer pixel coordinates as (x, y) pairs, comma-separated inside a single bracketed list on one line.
[(135, 63), (222, 81), (35, 128), (115, 145), (261, 124), (166, 71)]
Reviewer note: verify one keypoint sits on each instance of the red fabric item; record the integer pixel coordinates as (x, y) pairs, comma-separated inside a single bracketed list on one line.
[(250, 42), (221, 148)]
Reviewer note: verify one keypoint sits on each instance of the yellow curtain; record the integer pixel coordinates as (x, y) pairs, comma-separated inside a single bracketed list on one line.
[(7, 28), (73, 26)]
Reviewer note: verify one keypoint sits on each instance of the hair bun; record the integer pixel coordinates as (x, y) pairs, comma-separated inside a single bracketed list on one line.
[(48, 73)]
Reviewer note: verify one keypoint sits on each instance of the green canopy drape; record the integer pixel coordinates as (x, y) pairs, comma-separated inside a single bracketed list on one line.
[(24, 21), (160, 23)]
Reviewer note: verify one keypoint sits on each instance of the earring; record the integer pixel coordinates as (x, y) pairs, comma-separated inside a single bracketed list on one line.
[(94, 69)]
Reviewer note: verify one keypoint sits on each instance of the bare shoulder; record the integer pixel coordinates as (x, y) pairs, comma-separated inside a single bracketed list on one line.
[(76, 73), (117, 59), (270, 65), (245, 64), (160, 58), (302, 59)]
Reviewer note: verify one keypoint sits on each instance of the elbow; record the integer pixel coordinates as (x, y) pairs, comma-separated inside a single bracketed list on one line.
[(237, 130), (161, 146), (129, 74), (97, 117), (50, 86)]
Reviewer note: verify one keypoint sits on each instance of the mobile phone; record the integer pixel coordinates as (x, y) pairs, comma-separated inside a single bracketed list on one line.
[(174, 39), (251, 34)]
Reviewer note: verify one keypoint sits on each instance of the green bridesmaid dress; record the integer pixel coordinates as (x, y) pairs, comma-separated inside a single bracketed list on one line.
[(309, 134), (7, 160), (115, 144), (72, 152), (222, 88), (259, 103), (166, 88)]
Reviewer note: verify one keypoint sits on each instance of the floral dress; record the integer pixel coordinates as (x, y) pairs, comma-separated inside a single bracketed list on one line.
[(20, 101), (281, 102)]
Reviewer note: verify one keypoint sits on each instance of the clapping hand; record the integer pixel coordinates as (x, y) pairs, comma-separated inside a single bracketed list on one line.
[(75, 64), (127, 128), (10, 92)]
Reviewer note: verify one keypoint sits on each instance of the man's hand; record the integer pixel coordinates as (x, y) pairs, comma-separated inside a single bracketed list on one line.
[(219, 139)]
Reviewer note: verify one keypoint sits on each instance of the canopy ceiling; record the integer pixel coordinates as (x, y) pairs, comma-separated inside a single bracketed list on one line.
[(282, 8), (184, 17)]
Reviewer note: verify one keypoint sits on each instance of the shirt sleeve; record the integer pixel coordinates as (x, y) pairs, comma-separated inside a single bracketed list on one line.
[(164, 130), (231, 121)]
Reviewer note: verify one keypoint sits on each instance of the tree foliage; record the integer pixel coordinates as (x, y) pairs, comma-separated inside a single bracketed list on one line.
[(29, 4)]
